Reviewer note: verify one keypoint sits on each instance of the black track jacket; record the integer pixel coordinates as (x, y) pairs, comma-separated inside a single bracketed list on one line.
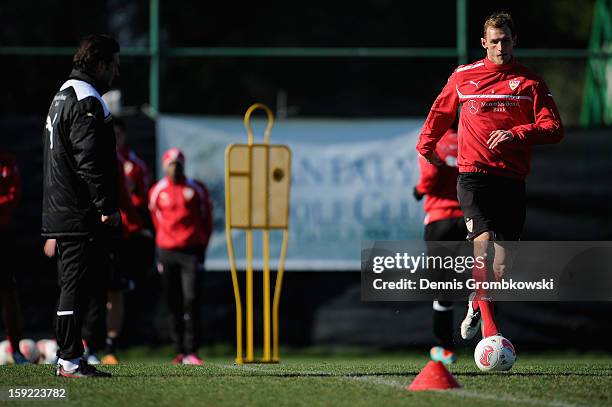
[(79, 160)]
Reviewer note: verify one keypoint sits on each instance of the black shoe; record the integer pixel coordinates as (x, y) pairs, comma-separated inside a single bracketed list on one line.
[(84, 370)]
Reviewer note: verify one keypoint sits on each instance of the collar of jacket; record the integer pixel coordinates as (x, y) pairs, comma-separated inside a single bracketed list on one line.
[(82, 76)]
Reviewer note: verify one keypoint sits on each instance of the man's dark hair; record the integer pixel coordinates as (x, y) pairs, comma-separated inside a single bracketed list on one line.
[(94, 48), (499, 20)]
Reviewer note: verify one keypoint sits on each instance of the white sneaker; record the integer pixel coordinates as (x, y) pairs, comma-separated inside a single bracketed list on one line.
[(471, 323)]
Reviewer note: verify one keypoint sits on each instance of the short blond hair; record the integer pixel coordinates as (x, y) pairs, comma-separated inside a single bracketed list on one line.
[(499, 20)]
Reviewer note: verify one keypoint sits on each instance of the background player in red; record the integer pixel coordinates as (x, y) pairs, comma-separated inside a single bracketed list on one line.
[(130, 255), (182, 215), (138, 178), (10, 194), (443, 222), (505, 110)]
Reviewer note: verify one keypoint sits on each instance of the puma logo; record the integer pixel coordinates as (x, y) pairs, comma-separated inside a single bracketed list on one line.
[(475, 83)]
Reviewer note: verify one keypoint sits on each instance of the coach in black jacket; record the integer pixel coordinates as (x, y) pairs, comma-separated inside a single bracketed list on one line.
[(80, 188)]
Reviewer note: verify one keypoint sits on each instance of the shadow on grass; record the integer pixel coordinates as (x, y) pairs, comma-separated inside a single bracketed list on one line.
[(255, 374), (274, 374)]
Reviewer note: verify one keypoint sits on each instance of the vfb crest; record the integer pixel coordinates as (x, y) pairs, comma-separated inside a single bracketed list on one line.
[(473, 106)]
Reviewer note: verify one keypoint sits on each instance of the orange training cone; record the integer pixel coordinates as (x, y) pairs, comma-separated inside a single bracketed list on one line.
[(434, 376)]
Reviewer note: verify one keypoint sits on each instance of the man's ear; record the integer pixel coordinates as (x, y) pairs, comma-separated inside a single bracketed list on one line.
[(99, 67), (514, 40), (483, 42)]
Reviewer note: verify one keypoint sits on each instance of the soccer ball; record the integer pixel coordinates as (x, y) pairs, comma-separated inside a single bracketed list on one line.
[(29, 350), (48, 351), (494, 354), (5, 354)]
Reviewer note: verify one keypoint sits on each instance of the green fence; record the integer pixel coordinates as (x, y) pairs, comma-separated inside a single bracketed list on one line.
[(596, 107)]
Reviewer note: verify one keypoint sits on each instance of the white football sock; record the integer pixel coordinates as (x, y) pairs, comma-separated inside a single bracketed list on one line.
[(70, 364)]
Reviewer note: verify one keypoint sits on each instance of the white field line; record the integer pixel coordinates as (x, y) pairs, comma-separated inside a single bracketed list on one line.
[(401, 386)]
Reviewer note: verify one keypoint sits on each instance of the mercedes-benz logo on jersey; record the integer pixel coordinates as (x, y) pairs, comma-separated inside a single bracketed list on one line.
[(473, 105)]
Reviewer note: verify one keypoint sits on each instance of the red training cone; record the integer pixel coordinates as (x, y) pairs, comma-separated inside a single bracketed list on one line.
[(434, 376)]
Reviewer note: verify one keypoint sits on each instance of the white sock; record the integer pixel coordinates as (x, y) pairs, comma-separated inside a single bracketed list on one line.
[(70, 364)]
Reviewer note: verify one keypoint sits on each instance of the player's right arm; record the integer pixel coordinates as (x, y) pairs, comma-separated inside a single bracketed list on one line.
[(440, 118), (153, 209)]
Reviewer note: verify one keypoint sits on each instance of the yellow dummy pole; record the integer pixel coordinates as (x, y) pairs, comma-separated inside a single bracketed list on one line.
[(230, 251), (249, 186), (277, 292), (266, 246)]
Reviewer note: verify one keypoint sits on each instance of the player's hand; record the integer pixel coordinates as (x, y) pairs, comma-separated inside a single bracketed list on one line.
[(49, 248), (497, 137), (433, 158), (112, 220), (417, 195)]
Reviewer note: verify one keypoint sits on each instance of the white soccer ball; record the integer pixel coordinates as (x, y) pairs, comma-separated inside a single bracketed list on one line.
[(494, 354), (29, 350), (48, 351), (5, 353)]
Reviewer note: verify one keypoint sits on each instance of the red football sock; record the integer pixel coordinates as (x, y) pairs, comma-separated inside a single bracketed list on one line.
[(479, 274), (489, 328), (488, 319)]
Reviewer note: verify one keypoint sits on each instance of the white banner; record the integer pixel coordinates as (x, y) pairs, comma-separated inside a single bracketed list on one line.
[(352, 180)]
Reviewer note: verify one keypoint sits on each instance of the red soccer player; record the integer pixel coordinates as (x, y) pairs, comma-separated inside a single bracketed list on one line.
[(10, 193), (137, 175), (505, 110), (182, 215), (443, 222), (131, 254)]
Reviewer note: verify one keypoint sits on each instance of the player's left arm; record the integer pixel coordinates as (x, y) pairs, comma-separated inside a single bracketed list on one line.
[(206, 208), (547, 128), (427, 180)]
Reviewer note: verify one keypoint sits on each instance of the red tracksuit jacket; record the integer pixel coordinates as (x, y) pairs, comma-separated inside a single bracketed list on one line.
[(133, 199), (494, 97), (440, 183), (10, 189), (131, 220), (181, 213), (137, 177)]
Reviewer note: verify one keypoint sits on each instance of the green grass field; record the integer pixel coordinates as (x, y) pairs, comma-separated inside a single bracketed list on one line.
[(340, 380)]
